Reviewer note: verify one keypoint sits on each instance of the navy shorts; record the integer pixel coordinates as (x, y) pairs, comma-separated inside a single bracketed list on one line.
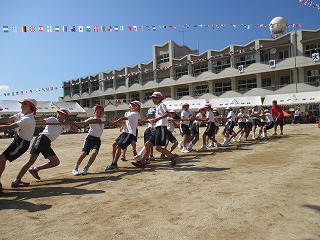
[(242, 125), (90, 143), (249, 126), (184, 129), (16, 148), (211, 129), (124, 140), (256, 122), (269, 125), (42, 144), (170, 137), (194, 128), (159, 137), (279, 122), (229, 127), (147, 133)]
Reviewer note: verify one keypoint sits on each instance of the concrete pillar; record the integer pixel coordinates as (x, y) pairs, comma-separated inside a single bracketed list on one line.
[(233, 84), (294, 74), (259, 80), (172, 92), (190, 86)]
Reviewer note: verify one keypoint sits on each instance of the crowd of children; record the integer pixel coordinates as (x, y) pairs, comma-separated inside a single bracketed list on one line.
[(159, 133)]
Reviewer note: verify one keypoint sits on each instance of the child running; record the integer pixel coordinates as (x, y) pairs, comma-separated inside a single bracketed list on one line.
[(159, 138), (170, 129), (92, 142), (195, 128), (131, 120), (25, 123), (42, 144), (186, 117), (228, 129)]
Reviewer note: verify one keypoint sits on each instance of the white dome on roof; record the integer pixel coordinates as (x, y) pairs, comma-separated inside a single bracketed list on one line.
[(278, 25)]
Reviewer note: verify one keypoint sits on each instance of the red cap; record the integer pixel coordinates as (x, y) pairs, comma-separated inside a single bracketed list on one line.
[(31, 102), (157, 95), (99, 107), (64, 111), (136, 103)]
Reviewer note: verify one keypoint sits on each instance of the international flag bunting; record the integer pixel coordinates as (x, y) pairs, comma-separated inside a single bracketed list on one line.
[(32, 29), (56, 29), (80, 28), (6, 29), (15, 29), (40, 28), (88, 28), (109, 29), (49, 28), (65, 28), (73, 29), (116, 29), (95, 29), (23, 28), (103, 28)]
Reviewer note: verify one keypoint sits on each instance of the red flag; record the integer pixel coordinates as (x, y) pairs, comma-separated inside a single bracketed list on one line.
[(95, 29), (130, 28)]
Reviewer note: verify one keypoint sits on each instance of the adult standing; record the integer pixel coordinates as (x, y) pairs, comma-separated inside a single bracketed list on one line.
[(278, 117), (296, 116)]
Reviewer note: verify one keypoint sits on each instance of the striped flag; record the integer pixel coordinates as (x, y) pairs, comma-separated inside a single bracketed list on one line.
[(65, 28), (88, 28), (23, 28), (103, 28), (116, 29), (80, 28), (56, 29), (6, 29)]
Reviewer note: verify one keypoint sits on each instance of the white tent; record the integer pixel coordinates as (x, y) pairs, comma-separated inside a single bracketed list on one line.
[(194, 104), (9, 107), (293, 98), (73, 107), (248, 101)]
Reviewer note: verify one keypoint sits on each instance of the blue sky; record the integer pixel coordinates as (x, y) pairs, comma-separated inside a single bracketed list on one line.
[(29, 61)]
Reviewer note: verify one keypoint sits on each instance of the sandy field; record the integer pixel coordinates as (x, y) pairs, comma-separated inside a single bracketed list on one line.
[(252, 190)]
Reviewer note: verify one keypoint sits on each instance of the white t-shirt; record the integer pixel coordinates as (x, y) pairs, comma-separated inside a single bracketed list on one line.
[(132, 122), (185, 115), (269, 117), (297, 113), (231, 116), (240, 115), (249, 118), (27, 124), (96, 130), (170, 125), (210, 115), (54, 131), (161, 110)]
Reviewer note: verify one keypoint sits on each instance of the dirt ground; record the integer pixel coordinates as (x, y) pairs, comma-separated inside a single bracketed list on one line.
[(252, 190)]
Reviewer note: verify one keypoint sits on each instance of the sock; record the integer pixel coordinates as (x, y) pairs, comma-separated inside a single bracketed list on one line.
[(191, 145), (141, 151), (76, 167)]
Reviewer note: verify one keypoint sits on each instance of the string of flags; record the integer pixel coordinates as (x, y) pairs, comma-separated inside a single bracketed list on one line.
[(310, 4), (23, 92), (130, 28)]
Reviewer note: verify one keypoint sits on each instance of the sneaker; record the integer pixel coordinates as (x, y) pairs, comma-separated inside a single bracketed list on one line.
[(151, 158), (84, 171), (34, 173), (203, 149), (19, 183), (123, 159), (139, 164), (225, 144), (163, 156), (75, 172), (274, 134), (137, 157), (111, 166), (281, 133), (179, 145), (184, 150), (174, 160), (190, 149), (210, 145)]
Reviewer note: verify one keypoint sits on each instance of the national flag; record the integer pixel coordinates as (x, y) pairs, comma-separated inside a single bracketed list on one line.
[(32, 29), (116, 28), (65, 28), (6, 29), (21, 92), (73, 29), (23, 28), (80, 28), (56, 29), (130, 28), (109, 29), (141, 28), (95, 29), (121, 28), (135, 28), (14, 29), (40, 28), (17, 93), (88, 28), (103, 28), (49, 29), (154, 28)]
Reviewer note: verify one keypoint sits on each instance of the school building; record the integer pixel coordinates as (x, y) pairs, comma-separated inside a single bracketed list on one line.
[(288, 64)]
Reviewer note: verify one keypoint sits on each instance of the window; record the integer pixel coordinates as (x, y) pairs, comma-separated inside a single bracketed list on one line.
[(120, 82), (85, 103), (201, 89), (284, 54), (220, 88), (284, 80), (180, 72), (147, 95), (265, 57), (76, 89), (246, 84), (95, 85), (134, 96), (147, 78), (199, 68), (133, 80), (85, 87), (266, 82), (95, 101), (108, 84), (163, 58), (66, 91), (219, 66), (312, 48), (182, 92), (245, 60), (313, 77)]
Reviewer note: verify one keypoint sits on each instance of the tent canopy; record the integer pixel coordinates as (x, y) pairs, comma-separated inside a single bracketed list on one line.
[(293, 98), (194, 104), (248, 101)]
